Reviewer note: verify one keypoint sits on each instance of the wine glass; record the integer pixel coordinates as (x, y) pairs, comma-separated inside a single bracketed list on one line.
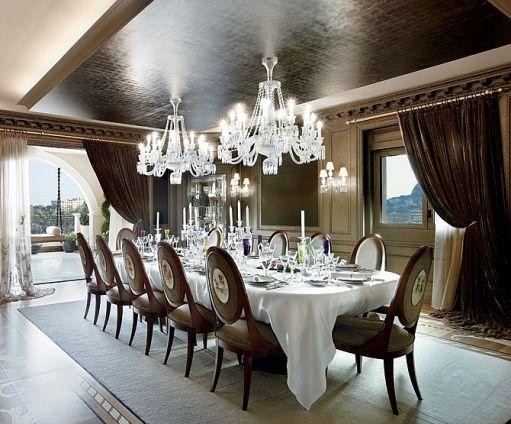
[(266, 257), (293, 262)]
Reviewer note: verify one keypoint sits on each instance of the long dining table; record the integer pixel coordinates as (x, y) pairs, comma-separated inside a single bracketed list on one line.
[(301, 315)]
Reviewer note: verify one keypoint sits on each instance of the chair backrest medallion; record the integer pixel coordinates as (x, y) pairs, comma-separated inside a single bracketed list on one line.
[(407, 301), (280, 241), (228, 295), (318, 240), (135, 270), (370, 252), (215, 237), (124, 233)]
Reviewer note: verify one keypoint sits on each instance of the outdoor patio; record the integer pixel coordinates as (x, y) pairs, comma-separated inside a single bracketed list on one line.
[(51, 267)]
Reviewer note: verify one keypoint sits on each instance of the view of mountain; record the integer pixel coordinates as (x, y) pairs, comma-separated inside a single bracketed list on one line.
[(406, 209)]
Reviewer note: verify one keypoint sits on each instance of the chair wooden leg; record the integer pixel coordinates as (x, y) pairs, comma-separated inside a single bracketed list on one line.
[(218, 366), (119, 321), (133, 327), (160, 320), (247, 379), (388, 365), (96, 311), (170, 331), (240, 358), (189, 353), (87, 306), (358, 360), (413, 377), (150, 324), (107, 316), (205, 340)]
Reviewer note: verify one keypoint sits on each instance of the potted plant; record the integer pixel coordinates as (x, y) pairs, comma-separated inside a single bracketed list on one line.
[(69, 244), (84, 220)]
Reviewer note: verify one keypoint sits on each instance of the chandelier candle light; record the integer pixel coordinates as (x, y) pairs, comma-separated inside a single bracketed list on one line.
[(271, 131), (176, 150)]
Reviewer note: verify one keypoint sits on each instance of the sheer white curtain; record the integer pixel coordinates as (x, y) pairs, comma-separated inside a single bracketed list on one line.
[(447, 263), (16, 275), (116, 223)]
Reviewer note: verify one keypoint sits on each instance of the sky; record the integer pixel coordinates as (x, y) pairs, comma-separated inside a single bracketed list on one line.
[(43, 184), (400, 177)]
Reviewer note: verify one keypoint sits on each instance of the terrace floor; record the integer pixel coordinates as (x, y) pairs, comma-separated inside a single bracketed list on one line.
[(52, 267)]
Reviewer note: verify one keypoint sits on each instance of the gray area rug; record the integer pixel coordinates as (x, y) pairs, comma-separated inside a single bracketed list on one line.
[(160, 394)]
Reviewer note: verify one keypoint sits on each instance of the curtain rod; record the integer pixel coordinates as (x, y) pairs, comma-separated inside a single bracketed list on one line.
[(73, 137), (425, 105)]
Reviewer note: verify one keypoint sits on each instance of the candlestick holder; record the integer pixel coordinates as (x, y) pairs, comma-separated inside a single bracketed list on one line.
[(157, 236)]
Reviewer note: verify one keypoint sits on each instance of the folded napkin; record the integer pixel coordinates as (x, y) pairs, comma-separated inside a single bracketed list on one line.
[(349, 275)]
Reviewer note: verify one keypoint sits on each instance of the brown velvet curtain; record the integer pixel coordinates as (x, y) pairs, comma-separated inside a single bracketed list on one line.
[(455, 151), (116, 168)]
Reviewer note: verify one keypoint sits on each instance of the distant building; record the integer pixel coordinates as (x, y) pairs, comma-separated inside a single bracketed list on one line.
[(69, 204)]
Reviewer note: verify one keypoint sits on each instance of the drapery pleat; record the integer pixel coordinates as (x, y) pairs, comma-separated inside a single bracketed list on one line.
[(455, 151), (447, 264), (116, 168)]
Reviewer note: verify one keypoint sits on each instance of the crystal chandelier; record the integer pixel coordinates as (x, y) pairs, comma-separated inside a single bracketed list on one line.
[(271, 131), (329, 182), (176, 150)]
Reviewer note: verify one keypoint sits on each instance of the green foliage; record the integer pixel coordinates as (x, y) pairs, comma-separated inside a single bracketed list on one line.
[(106, 223), (84, 215), (70, 238)]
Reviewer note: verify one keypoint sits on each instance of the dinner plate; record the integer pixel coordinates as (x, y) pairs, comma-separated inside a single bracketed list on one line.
[(317, 283), (257, 280), (348, 266), (351, 276)]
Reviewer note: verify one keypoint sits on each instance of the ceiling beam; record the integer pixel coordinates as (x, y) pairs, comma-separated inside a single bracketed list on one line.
[(115, 18), (503, 5)]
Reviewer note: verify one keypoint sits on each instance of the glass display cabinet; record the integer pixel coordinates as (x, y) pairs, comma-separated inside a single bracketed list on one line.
[(209, 195)]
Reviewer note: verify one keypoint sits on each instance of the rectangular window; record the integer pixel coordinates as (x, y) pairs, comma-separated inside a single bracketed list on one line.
[(401, 195)]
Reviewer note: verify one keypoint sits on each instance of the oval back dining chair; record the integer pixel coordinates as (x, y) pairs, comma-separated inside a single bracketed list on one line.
[(95, 286), (124, 233), (215, 237), (370, 252), (318, 241), (184, 314), (384, 339), (244, 336), (280, 241), (119, 293), (149, 303)]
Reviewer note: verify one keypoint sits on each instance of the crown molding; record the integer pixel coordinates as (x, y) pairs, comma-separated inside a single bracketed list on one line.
[(54, 131), (485, 80)]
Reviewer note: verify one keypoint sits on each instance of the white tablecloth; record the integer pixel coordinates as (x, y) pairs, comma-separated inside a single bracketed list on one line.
[(302, 317)]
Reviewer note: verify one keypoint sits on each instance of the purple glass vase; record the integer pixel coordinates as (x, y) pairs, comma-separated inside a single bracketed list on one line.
[(246, 246), (326, 246)]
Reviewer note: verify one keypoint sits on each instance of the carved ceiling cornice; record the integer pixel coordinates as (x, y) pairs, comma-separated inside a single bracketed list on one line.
[(65, 132), (470, 84)]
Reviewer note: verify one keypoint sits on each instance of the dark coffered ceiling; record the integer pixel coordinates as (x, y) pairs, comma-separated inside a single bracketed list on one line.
[(209, 53)]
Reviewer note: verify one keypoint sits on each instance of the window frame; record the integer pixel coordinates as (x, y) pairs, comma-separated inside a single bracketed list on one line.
[(398, 234)]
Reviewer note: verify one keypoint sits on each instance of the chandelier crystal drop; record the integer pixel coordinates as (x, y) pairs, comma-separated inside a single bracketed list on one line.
[(271, 131), (176, 150)]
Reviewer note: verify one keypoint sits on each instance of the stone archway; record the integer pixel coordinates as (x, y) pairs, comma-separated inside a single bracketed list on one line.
[(89, 193)]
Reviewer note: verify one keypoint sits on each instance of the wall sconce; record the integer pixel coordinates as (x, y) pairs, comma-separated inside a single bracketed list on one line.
[(236, 189), (329, 182)]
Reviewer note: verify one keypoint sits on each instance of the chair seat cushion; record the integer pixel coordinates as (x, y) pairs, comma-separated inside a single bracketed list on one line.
[(355, 331), (237, 333), (92, 287), (114, 294), (159, 307), (183, 316)]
